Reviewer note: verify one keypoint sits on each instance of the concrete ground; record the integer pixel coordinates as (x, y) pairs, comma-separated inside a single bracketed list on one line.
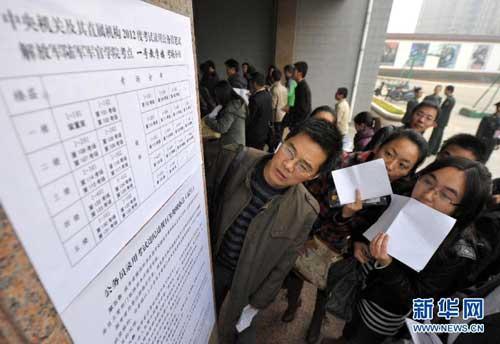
[(271, 330)]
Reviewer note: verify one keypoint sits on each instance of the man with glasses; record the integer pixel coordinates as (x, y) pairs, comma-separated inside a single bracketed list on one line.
[(260, 215), (424, 116)]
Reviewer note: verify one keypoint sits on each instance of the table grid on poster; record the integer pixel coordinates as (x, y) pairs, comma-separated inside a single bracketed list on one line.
[(79, 157)]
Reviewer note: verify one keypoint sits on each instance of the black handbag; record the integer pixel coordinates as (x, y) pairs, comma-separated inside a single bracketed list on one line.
[(345, 280)]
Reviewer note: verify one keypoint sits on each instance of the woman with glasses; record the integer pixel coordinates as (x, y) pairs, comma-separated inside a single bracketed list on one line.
[(454, 186), (402, 152)]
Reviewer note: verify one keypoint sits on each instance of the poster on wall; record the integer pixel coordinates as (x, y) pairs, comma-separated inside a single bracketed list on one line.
[(448, 55), (104, 188), (418, 54), (480, 56), (390, 52)]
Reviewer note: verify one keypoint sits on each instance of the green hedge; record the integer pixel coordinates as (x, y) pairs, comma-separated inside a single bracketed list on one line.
[(387, 106)]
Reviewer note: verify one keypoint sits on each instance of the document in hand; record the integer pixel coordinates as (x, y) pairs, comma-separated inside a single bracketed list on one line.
[(370, 178), (415, 230)]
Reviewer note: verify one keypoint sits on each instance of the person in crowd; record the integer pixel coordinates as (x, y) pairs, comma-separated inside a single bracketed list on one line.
[(247, 70), (260, 113), (410, 105), (302, 104), (325, 113), (279, 95), (464, 146), (290, 84), (403, 151), (207, 103), (456, 187), (366, 125), (209, 77), (260, 214), (269, 76), (228, 117), (236, 80), (436, 96), (244, 69), (442, 122), (489, 130), (487, 227), (342, 110), (424, 116)]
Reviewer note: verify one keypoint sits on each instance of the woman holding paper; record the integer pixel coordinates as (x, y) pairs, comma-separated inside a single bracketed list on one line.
[(228, 117), (402, 152), (455, 187)]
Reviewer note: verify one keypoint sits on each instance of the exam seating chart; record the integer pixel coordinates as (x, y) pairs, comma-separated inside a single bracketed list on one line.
[(99, 142)]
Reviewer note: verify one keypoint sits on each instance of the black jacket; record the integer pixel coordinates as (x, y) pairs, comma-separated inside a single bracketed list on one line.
[(260, 114), (433, 99), (302, 107), (487, 128), (444, 114), (409, 111), (209, 81), (237, 81), (381, 135)]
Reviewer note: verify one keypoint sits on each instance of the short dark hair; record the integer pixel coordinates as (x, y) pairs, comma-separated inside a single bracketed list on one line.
[(210, 64), (232, 63), (415, 138), (325, 108), (450, 88), (301, 67), (327, 136), (477, 187), (427, 103), (224, 93), (470, 143), (289, 68), (342, 91), (258, 78), (245, 64), (417, 89), (276, 75)]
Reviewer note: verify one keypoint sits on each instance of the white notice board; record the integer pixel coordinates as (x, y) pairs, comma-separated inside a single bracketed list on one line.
[(101, 166)]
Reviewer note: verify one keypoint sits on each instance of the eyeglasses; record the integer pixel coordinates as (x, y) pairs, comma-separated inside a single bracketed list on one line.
[(302, 167), (424, 115), (444, 196)]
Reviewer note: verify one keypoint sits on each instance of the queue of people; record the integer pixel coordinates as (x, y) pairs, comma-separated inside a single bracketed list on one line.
[(272, 201)]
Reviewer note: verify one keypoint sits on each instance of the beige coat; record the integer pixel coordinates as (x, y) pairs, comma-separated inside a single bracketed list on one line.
[(343, 113), (279, 94), (273, 237)]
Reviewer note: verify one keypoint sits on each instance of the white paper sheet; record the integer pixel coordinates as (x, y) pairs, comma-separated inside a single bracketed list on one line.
[(415, 230), (158, 288), (246, 318), (98, 128), (370, 178)]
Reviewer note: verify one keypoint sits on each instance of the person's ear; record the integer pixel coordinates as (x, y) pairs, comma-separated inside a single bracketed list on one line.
[(435, 124)]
